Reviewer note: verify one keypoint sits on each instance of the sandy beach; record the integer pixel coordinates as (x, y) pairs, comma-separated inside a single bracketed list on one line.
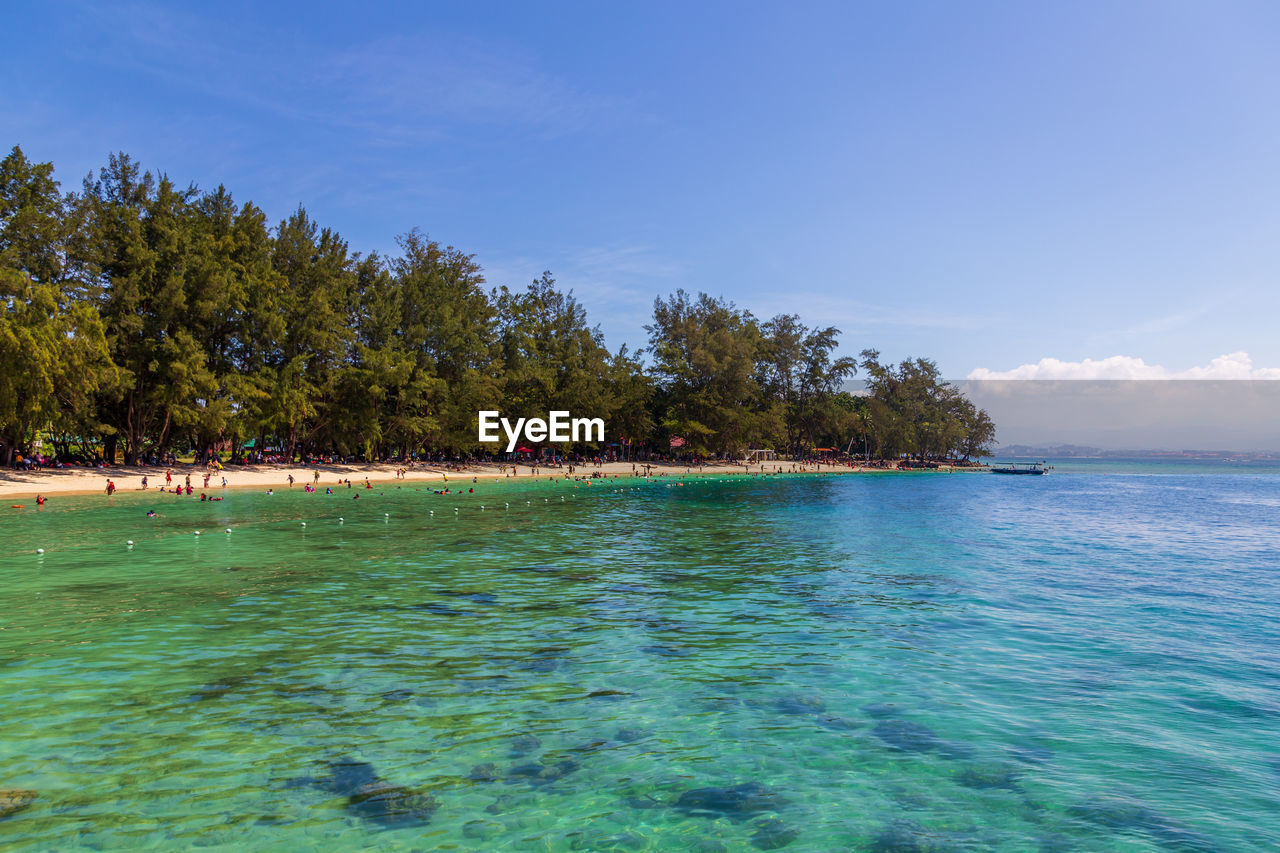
[(28, 484)]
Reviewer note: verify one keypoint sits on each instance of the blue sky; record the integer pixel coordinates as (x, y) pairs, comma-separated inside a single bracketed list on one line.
[(987, 184)]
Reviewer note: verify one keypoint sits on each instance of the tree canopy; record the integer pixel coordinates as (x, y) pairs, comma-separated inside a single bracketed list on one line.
[(139, 316)]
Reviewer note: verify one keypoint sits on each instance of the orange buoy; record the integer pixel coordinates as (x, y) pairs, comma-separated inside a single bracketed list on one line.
[(18, 506)]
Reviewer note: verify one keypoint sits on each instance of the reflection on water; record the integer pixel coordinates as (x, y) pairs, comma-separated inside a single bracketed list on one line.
[(914, 662)]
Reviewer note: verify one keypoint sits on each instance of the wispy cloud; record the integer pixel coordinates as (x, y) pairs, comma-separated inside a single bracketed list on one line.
[(854, 315), (616, 283), (404, 89), (1236, 365)]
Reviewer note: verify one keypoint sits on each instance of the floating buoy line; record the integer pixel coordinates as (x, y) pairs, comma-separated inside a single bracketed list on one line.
[(130, 544)]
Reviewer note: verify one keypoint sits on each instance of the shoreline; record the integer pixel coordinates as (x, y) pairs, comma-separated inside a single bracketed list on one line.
[(92, 481)]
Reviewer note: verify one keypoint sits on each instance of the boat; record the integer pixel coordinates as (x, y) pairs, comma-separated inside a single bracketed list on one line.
[(1019, 468)]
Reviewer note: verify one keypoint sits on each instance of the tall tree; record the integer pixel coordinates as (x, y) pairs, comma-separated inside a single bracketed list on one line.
[(704, 359), (314, 301), (801, 373), (52, 349), (551, 358)]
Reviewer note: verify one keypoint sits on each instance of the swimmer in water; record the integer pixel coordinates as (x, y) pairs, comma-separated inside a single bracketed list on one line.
[(151, 513)]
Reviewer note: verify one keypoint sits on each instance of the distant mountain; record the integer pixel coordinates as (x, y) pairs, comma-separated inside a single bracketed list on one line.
[(1058, 451), (1075, 451)]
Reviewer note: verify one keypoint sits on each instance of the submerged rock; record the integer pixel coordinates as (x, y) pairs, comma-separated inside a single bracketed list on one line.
[(346, 777), (542, 774), (736, 802), (909, 736), (838, 724), (1127, 814), (800, 704), (372, 798), (503, 804), (631, 735), (14, 800), (524, 744), (482, 829), (484, 773), (880, 710), (989, 776), (391, 805), (645, 802), (773, 834)]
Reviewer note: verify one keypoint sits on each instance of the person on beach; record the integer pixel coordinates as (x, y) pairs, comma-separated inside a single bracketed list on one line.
[(168, 477), (317, 477), (111, 487), (144, 484), (188, 484), (291, 481)]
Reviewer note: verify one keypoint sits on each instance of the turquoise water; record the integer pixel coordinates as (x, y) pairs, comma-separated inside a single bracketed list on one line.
[(917, 662)]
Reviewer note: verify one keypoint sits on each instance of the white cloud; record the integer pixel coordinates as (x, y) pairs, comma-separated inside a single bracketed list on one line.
[(1236, 365)]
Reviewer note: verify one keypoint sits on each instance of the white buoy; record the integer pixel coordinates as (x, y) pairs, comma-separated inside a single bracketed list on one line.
[(197, 532), (304, 524), (508, 506), (228, 530), (39, 550), (129, 543), (340, 520), (386, 515), (433, 512)]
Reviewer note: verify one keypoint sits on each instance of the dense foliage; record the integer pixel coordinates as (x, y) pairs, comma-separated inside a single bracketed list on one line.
[(138, 317)]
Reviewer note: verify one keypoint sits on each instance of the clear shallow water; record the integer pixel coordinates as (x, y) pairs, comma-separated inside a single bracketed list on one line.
[(888, 662)]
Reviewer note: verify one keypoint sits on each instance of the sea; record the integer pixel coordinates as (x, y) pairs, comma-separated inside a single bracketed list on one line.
[(1083, 661)]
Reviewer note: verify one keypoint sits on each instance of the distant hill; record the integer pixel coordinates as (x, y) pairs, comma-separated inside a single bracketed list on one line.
[(1076, 451)]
